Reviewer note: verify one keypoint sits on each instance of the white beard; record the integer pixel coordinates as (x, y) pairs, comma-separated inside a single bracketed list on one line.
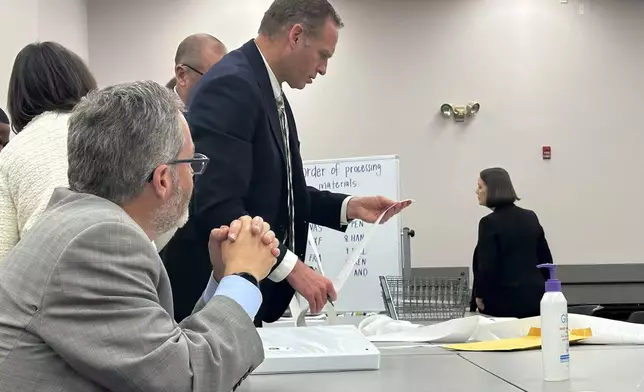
[(183, 219)]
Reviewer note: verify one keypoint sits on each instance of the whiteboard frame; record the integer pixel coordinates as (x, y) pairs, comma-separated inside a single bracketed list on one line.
[(398, 218)]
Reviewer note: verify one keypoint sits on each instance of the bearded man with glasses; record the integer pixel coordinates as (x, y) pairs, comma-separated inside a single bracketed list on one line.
[(86, 303)]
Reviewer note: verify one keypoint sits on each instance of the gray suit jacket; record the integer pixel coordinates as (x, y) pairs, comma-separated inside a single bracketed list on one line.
[(86, 305)]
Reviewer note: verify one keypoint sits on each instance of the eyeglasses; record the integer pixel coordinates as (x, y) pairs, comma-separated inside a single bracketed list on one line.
[(192, 68), (198, 164)]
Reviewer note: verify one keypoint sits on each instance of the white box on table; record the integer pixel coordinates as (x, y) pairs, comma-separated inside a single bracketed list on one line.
[(326, 348)]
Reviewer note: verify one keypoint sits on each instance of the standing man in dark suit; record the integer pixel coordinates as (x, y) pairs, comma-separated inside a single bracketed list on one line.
[(241, 119)]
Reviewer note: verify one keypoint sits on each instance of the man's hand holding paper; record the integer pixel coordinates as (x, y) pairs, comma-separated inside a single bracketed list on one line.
[(370, 208), (319, 290)]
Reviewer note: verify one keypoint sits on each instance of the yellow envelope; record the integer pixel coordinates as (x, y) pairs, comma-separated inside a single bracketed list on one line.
[(531, 341)]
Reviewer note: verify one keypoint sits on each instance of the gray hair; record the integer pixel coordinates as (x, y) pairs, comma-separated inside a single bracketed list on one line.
[(118, 135), (311, 14)]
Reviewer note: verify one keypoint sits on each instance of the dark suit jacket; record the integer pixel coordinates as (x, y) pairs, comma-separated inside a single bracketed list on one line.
[(511, 244), (234, 121)]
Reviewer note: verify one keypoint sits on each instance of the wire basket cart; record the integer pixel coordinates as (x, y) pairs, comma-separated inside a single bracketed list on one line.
[(425, 299)]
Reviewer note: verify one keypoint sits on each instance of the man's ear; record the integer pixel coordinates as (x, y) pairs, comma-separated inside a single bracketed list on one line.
[(162, 182), (180, 73), (296, 34)]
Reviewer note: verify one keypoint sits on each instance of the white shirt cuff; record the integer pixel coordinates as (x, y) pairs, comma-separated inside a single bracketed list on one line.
[(285, 267), (344, 220)]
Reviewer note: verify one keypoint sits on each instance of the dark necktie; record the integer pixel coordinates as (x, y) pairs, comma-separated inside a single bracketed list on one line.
[(281, 110)]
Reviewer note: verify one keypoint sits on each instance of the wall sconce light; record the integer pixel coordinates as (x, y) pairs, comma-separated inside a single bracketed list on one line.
[(460, 113)]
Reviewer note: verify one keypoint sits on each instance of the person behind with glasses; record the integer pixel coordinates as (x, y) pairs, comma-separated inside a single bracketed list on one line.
[(4, 129), (196, 54), (46, 82)]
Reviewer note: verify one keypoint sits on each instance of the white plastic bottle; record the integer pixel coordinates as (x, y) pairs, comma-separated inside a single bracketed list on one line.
[(555, 343)]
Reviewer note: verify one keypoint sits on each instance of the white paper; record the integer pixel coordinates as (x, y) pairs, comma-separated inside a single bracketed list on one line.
[(452, 331), (346, 270), (381, 328), (607, 331), (299, 309)]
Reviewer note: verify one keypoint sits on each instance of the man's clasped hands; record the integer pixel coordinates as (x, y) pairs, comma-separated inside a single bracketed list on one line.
[(249, 245)]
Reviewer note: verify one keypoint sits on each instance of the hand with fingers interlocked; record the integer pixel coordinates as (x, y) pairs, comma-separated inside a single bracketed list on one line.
[(247, 245)]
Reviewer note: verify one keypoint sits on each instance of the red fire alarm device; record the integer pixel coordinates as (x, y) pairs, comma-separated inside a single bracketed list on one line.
[(546, 152)]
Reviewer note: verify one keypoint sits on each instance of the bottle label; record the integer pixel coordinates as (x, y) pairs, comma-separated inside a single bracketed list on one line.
[(565, 339)]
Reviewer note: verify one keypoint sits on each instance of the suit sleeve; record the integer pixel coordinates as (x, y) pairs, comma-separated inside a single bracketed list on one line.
[(326, 207), (487, 258), (102, 314), (473, 306), (543, 250)]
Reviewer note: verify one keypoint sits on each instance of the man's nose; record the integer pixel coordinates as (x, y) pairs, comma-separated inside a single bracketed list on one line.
[(322, 69)]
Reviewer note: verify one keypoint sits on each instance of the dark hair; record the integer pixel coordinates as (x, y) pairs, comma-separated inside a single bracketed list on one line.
[(171, 84), (46, 77), (311, 14), (3, 117), (499, 187)]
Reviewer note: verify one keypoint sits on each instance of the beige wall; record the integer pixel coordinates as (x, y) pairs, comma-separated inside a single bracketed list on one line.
[(26, 21), (19, 27), (64, 21), (544, 73)]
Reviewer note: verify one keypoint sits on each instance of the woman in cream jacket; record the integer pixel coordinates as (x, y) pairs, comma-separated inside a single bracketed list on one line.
[(46, 82)]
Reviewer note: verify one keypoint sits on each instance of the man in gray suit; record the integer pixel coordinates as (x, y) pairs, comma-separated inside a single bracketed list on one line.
[(85, 300)]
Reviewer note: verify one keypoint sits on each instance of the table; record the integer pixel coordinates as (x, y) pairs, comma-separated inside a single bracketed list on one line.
[(397, 372), (613, 369), (414, 367), (603, 347), (392, 348)]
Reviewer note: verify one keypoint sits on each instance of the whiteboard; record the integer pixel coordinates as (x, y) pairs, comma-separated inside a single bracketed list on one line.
[(366, 176)]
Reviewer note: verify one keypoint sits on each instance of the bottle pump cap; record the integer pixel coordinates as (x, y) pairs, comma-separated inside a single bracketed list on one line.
[(552, 284)]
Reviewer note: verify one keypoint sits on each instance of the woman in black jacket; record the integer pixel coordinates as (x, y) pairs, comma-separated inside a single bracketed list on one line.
[(511, 243)]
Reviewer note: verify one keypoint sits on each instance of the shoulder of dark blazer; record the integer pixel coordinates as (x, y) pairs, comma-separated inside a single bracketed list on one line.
[(512, 210), (486, 220)]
